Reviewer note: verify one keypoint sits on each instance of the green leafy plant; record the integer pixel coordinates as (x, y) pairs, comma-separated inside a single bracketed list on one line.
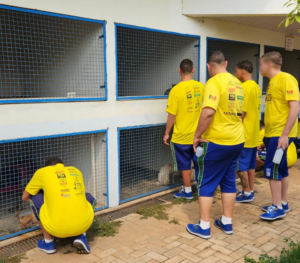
[(179, 201), (290, 255), (14, 259), (174, 221), (294, 15), (157, 211)]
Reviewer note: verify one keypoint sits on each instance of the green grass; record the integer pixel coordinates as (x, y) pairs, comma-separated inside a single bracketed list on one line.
[(290, 255), (98, 229), (257, 182), (174, 221), (157, 211), (179, 201), (68, 251), (14, 259), (239, 183)]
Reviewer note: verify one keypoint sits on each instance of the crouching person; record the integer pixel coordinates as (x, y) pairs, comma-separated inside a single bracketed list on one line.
[(57, 197)]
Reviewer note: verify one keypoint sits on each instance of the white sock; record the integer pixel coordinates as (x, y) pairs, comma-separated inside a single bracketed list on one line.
[(284, 203), (279, 207), (251, 191), (84, 233), (204, 225), (188, 189), (226, 220), (48, 240), (247, 193)]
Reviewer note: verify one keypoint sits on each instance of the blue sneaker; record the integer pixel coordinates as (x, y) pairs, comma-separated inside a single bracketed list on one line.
[(48, 248), (227, 229), (253, 194), (285, 208), (242, 192), (183, 194), (81, 244), (242, 198), (198, 231), (273, 213)]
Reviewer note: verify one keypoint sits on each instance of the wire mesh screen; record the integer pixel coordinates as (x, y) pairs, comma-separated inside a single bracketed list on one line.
[(235, 52), (47, 57), (145, 163), (147, 61), (290, 63), (20, 159)]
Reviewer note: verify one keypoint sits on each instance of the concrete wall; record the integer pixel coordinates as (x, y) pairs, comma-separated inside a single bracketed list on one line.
[(27, 120)]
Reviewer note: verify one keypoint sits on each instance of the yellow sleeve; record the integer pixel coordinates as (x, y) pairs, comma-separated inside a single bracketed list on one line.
[(246, 98), (290, 88), (211, 95), (172, 103), (35, 185), (202, 93)]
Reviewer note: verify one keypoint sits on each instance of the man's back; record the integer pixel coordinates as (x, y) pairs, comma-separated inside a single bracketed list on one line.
[(224, 93), (252, 103), (185, 101), (66, 211)]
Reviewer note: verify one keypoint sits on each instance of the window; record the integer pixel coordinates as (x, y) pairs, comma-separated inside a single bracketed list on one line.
[(147, 61), (50, 57)]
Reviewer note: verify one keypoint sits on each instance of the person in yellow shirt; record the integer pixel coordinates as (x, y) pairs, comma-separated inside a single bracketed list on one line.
[(57, 196), (184, 107), (281, 127), (220, 131), (251, 116)]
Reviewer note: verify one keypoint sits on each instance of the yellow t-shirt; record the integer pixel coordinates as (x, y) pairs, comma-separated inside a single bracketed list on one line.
[(282, 89), (252, 100), (225, 94), (65, 212), (185, 101), (261, 137)]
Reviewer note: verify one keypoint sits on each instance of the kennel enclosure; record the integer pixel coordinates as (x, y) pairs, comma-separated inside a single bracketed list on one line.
[(51, 57), (20, 158), (235, 51), (148, 59)]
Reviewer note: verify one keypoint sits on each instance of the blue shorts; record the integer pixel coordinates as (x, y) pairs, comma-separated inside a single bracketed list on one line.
[(217, 167), (247, 160), (182, 156), (36, 202), (275, 171)]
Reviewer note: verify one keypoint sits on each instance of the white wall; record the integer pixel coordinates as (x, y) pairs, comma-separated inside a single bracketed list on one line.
[(27, 120)]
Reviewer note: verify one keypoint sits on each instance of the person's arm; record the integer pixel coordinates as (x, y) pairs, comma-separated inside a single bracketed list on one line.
[(243, 115), (293, 115), (206, 117), (25, 196), (170, 123)]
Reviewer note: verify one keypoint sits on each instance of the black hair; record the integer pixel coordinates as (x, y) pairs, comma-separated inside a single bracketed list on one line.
[(274, 57), (262, 124), (186, 66), (245, 65), (217, 57), (53, 161)]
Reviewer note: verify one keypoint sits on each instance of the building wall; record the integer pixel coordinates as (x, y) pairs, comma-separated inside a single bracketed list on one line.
[(28, 120)]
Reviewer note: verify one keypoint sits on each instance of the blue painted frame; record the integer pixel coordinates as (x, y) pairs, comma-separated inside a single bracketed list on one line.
[(12, 101), (264, 93), (55, 136), (146, 194), (153, 30), (232, 41)]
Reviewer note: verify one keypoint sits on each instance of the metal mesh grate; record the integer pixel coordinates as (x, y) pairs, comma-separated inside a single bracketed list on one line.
[(50, 57), (20, 159), (145, 162), (235, 52), (148, 60), (291, 63)]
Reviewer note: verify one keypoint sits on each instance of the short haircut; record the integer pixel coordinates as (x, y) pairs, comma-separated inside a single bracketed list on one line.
[(245, 65), (216, 57), (186, 66), (274, 57), (53, 161)]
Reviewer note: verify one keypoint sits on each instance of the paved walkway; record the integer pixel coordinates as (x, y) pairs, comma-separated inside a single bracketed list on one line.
[(158, 241)]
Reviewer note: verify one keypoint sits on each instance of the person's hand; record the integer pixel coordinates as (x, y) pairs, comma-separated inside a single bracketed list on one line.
[(197, 142), (260, 147), (283, 142), (165, 139)]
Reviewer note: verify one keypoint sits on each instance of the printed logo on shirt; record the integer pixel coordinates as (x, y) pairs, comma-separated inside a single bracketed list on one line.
[(228, 113), (238, 87), (189, 96), (63, 182), (231, 97), (289, 92), (240, 97), (65, 195), (77, 184), (65, 190), (230, 105), (73, 174), (187, 92), (269, 97), (212, 97), (231, 90), (197, 95), (239, 114), (59, 176)]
